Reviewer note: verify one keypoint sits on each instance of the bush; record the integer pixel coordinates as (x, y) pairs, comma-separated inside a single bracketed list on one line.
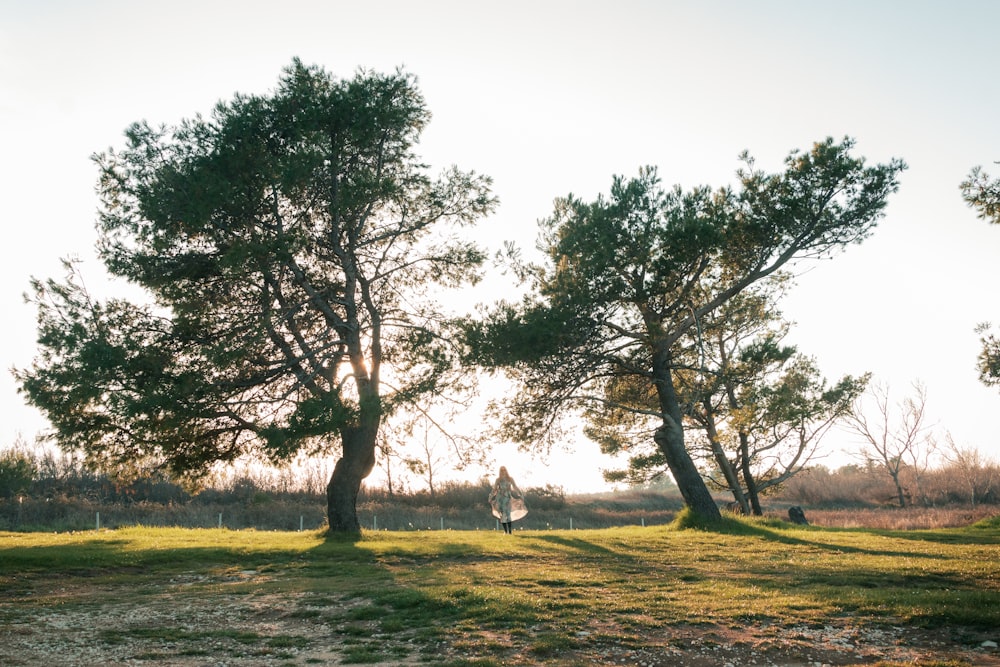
[(17, 472)]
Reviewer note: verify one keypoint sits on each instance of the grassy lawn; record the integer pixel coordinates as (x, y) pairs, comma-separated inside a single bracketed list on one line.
[(673, 596)]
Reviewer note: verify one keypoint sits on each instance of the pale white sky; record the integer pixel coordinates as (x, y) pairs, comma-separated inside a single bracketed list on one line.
[(556, 97)]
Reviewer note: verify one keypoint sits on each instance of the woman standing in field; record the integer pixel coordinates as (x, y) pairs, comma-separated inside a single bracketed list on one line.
[(507, 501)]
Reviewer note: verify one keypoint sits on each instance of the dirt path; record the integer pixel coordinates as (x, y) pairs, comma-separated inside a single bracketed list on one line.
[(198, 621)]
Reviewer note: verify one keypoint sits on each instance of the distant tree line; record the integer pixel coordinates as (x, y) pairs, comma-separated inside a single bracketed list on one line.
[(44, 489), (858, 485), (27, 473)]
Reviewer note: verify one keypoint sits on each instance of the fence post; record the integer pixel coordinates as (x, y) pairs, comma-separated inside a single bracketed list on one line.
[(301, 522), (220, 519), (374, 522), (98, 521), (571, 523), (442, 523)]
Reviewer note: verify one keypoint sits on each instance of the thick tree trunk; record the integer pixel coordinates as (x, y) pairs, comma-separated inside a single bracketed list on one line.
[(345, 482), (670, 439)]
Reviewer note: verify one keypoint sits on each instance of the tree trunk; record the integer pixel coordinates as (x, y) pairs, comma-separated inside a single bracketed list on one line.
[(900, 494), (345, 482), (748, 477), (670, 439), (721, 460)]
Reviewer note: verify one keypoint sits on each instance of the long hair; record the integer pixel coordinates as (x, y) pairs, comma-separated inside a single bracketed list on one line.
[(503, 474)]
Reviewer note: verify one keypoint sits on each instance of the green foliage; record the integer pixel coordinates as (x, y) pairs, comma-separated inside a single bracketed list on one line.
[(983, 194), (288, 247), (988, 363), (992, 523), (610, 320), (17, 471), (688, 519), (757, 408)]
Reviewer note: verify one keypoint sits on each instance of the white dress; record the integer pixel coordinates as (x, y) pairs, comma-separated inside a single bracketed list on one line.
[(507, 501)]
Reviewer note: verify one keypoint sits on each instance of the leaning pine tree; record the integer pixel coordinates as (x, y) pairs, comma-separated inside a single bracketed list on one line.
[(627, 279), (288, 246)]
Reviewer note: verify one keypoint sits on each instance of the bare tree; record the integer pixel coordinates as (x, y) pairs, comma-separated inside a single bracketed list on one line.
[(894, 434), (388, 458), (920, 461), (974, 469), (429, 460), (426, 442)]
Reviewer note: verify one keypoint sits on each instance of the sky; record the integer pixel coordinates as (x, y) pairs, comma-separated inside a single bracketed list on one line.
[(552, 98)]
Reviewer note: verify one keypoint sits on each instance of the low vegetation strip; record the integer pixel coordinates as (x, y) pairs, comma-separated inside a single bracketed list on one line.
[(738, 592)]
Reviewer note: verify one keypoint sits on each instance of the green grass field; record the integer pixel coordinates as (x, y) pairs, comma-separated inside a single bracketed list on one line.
[(746, 590)]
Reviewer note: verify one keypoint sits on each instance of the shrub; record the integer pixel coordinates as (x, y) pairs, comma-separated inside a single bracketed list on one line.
[(17, 472)]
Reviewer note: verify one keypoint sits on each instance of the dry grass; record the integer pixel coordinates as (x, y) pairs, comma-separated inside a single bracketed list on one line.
[(910, 518)]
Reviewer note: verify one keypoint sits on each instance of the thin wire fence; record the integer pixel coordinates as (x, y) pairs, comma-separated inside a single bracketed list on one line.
[(64, 514)]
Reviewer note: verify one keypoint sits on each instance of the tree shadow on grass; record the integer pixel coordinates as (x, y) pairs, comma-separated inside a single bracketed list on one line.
[(577, 544), (782, 534)]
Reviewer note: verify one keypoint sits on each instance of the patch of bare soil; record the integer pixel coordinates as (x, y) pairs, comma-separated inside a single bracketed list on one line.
[(198, 621), (847, 644)]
